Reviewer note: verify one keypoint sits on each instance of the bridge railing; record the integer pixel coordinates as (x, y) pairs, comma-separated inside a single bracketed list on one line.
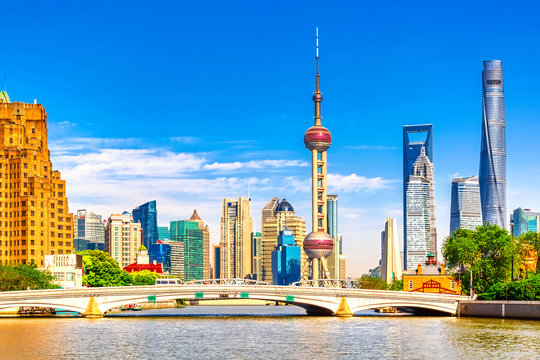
[(226, 282), (328, 283)]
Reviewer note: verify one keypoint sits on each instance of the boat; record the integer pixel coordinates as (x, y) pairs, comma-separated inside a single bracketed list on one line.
[(132, 307), (387, 309)]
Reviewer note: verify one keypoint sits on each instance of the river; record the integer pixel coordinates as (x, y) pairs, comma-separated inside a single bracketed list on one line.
[(265, 332)]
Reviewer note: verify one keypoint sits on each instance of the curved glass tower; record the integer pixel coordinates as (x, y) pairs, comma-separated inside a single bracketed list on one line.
[(492, 176)]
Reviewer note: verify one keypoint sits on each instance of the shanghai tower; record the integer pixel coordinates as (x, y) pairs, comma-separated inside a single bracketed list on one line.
[(492, 175)]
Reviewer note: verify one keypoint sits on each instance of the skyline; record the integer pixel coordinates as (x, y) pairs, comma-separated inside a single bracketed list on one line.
[(115, 114)]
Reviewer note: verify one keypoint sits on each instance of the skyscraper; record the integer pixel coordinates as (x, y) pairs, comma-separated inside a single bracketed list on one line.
[(465, 208), (122, 238), (146, 215), (416, 138), (337, 254), (256, 255), (391, 268), (235, 238), (492, 175), (205, 244), (34, 210), (283, 216), (525, 220), (318, 244), (417, 245), (189, 233), (285, 259), (88, 228)]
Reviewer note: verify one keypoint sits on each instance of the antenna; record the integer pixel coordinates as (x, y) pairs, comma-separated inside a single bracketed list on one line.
[(317, 35)]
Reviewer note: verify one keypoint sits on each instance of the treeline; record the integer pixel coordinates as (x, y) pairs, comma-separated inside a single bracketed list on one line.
[(497, 262)]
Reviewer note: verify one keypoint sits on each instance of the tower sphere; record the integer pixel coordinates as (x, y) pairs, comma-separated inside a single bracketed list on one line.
[(317, 137), (318, 244), (317, 97)]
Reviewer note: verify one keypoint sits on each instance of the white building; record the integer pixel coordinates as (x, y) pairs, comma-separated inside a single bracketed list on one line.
[(391, 268), (67, 269), (122, 238)]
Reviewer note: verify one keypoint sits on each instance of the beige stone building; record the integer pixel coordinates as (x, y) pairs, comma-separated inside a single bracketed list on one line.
[(122, 238), (34, 215), (282, 217), (206, 243), (235, 238)]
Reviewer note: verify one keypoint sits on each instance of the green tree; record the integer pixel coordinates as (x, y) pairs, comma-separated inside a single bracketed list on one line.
[(100, 270), (368, 282), (487, 252), (145, 277), (22, 277)]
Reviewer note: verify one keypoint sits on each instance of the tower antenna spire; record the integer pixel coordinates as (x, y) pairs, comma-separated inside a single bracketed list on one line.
[(317, 59)]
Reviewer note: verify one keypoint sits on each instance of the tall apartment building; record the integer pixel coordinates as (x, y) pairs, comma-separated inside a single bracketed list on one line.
[(188, 232), (418, 162), (283, 217), (465, 206), (176, 256), (205, 243), (146, 215), (34, 216), (88, 228), (235, 238), (492, 175), (122, 238)]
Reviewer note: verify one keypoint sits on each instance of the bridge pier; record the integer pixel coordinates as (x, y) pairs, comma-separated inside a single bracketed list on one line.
[(92, 310), (344, 310)]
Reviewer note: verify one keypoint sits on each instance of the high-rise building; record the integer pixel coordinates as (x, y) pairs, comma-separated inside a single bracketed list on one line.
[(161, 254), (417, 245), (285, 259), (146, 215), (525, 220), (87, 228), (256, 255), (318, 244), (177, 259), (282, 217), (391, 268), (33, 204), (189, 233), (418, 148), (465, 207), (122, 238), (334, 259), (217, 261), (163, 233), (205, 243), (492, 176), (235, 238)]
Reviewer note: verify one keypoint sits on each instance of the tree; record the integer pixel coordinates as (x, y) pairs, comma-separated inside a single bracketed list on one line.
[(100, 270), (22, 277), (368, 282), (487, 252), (145, 277)]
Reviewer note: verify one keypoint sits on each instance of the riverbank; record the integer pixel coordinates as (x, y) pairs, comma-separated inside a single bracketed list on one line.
[(529, 310)]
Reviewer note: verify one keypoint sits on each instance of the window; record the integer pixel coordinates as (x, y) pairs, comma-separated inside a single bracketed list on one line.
[(410, 285), (452, 284)]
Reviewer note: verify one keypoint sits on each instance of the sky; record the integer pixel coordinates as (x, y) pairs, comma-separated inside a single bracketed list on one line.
[(190, 102)]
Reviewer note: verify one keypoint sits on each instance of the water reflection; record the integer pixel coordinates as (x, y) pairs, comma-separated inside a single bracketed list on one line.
[(266, 333)]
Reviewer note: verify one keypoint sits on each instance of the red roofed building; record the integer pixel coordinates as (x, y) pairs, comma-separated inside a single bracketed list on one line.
[(143, 263)]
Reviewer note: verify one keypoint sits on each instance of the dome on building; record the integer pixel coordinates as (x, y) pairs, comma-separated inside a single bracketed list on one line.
[(284, 205), (318, 244), (318, 138), (4, 98)]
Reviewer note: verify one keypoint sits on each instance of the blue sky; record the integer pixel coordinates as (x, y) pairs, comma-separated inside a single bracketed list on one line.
[(188, 103)]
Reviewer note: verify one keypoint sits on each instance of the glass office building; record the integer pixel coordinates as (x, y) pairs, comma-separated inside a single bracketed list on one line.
[(418, 162), (188, 232), (146, 215), (332, 218), (161, 253), (465, 207), (285, 260), (492, 175), (417, 226), (525, 220)]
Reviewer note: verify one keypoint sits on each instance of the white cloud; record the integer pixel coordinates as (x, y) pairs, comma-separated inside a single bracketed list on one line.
[(255, 164)]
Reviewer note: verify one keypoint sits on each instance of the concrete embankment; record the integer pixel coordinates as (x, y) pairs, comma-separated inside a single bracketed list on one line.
[(500, 309)]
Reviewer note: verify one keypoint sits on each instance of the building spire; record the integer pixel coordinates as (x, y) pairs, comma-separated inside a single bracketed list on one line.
[(317, 96)]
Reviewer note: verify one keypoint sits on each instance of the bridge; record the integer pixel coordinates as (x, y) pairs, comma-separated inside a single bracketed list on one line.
[(323, 297)]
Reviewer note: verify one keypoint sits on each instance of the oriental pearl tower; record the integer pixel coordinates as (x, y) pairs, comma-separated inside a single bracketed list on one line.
[(318, 244)]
